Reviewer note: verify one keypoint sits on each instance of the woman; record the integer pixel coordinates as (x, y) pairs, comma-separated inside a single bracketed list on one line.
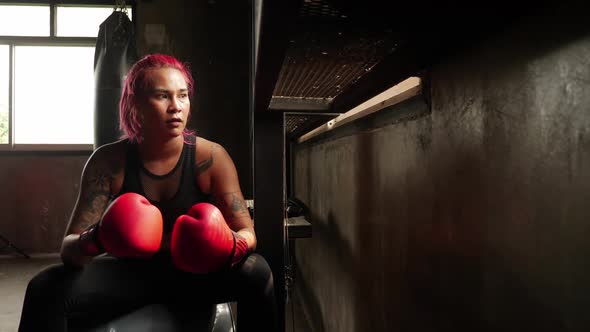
[(161, 160)]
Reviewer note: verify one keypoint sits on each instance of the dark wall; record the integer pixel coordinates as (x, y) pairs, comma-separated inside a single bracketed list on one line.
[(214, 38), (473, 217)]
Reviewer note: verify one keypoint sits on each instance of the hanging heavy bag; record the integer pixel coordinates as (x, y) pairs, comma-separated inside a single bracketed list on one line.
[(114, 54)]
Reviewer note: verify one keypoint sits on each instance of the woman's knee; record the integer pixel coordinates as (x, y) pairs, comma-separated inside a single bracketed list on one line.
[(258, 273), (48, 280)]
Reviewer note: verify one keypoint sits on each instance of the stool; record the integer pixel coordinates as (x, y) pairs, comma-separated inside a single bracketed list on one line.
[(166, 318)]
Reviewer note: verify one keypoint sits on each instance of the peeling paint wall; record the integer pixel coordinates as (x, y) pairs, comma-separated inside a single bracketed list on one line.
[(473, 217), (37, 195)]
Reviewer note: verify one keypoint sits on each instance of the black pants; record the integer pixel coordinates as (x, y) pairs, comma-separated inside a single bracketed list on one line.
[(108, 287)]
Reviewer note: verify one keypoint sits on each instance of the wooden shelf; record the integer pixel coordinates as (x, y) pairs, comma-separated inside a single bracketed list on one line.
[(298, 227)]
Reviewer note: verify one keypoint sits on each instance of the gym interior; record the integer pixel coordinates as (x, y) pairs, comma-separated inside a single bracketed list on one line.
[(410, 166)]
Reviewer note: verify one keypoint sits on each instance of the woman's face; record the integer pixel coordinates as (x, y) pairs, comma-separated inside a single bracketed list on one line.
[(164, 105)]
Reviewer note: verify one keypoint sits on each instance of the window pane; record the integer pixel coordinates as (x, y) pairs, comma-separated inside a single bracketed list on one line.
[(24, 20), (82, 21), (4, 94), (54, 95)]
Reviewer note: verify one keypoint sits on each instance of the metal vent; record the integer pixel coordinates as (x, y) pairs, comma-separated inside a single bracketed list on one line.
[(318, 8), (299, 124), (292, 122), (323, 63)]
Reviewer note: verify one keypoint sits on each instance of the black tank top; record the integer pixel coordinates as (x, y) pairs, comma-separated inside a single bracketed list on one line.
[(178, 189)]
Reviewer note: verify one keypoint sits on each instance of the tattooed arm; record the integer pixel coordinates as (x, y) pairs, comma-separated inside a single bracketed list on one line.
[(227, 195), (93, 199)]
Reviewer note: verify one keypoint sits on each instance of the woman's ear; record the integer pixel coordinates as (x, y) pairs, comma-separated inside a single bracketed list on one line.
[(139, 116), (136, 108)]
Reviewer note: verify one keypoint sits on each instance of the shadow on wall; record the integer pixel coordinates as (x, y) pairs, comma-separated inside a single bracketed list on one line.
[(426, 260), (332, 244), (308, 305)]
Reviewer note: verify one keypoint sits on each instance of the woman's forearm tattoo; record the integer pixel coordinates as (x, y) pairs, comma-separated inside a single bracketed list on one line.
[(93, 198), (232, 205), (237, 204)]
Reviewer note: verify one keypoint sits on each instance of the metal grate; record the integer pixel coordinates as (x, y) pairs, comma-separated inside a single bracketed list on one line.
[(292, 122), (327, 53), (323, 63), (297, 125), (318, 8)]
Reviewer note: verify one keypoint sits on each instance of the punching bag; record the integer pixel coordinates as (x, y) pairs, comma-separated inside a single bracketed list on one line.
[(114, 54)]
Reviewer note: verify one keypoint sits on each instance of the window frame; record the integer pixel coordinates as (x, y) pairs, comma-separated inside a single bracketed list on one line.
[(52, 40)]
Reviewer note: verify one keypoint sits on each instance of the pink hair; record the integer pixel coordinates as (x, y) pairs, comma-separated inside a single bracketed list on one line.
[(134, 84)]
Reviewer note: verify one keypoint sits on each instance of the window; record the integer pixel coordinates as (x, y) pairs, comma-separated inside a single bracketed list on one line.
[(24, 20), (47, 74), (4, 100)]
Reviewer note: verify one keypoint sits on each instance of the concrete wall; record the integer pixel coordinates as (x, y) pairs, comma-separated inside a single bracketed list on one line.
[(470, 217), (38, 189)]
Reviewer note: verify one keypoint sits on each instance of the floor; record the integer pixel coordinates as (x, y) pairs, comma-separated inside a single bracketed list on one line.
[(15, 273)]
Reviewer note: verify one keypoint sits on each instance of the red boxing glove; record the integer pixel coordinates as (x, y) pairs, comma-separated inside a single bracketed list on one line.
[(130, 227), (202, 242)]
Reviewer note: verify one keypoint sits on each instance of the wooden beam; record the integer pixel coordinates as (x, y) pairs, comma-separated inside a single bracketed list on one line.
[(395, 95), (393, 69)]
